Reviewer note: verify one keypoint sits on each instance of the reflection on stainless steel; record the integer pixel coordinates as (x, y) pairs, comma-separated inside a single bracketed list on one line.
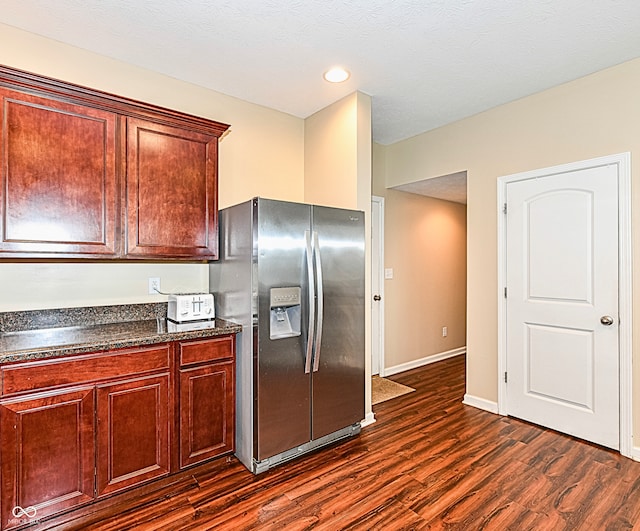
[(293, 275)]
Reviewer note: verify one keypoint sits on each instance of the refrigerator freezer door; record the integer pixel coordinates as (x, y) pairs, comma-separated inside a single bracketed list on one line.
[(338, 384), (281, 387)]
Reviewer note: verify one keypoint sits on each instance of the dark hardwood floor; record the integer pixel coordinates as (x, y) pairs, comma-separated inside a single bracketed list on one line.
[(429, 462)]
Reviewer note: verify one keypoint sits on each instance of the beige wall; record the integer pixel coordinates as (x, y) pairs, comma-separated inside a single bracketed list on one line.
[(262, 154), (330, 154), (425, 245), (593, 116)]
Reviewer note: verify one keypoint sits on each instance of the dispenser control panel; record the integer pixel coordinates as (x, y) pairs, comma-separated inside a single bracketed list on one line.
[(285, 312), (285, 296)]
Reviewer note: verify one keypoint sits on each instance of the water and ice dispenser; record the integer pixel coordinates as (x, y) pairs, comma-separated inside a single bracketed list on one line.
[(285, 312)]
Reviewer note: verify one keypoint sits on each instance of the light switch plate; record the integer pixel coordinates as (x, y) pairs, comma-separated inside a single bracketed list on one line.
[(388, 273)]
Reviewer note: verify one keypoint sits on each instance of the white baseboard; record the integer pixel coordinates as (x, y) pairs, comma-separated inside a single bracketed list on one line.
[(388, 371), (480, 403), (368, 420), (635, 453)]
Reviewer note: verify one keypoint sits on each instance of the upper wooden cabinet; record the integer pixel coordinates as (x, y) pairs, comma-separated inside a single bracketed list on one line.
[(85, 174), (59, 183), (171, 191)]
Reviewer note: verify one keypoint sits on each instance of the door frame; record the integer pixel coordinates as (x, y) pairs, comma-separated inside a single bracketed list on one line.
[(378, 336), (625, 271)]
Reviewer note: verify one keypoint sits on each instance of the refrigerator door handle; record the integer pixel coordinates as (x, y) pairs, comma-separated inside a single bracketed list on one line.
[(312, 306), (316, 359)]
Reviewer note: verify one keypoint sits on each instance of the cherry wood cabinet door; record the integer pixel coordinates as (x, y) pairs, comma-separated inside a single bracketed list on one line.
[(47, 454), (58, 189), (207, 412), (172, 207), (133, 432)]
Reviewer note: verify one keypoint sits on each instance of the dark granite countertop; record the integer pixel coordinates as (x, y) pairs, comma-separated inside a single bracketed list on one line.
[(80, 331)]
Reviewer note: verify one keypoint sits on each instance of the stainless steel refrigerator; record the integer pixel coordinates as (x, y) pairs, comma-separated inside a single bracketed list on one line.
[(293, 275)]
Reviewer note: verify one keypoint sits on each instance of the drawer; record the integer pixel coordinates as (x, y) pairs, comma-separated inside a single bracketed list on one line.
[(58, 372), (206, 350)]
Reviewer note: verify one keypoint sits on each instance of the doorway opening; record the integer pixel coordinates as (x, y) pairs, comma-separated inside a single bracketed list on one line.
[(422, 284)]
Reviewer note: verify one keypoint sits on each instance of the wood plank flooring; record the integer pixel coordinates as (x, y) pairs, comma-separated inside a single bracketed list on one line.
[(429, 462)]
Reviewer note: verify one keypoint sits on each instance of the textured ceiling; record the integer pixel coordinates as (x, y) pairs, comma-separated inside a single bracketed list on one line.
[(424, 62)]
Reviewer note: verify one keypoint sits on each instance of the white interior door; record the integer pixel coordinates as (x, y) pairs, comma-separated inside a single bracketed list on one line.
[(562, 325), (377, 285)]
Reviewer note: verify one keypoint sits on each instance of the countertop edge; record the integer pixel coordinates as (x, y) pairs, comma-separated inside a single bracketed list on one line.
[(102, 345)]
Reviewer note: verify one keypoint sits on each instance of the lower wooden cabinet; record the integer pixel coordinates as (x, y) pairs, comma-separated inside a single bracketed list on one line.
[(207, 410), (132, 432), (73, 430), (47, 454)]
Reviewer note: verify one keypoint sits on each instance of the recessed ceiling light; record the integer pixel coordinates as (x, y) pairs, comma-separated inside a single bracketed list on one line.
[(336, 75)]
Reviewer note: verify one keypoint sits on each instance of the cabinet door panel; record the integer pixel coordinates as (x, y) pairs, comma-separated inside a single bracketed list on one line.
[(58, 173), (171, 191), (47, 453), (207, 410), (133, 432)]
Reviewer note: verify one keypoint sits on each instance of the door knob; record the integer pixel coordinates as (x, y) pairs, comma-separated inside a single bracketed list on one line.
[(377, 298), (606, 320)]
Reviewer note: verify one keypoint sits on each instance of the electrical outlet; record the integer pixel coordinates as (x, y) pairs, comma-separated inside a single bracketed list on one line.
[(445, 331), (154, 285)]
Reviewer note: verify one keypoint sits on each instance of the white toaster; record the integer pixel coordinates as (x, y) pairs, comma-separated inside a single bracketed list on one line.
[(185, 307)]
